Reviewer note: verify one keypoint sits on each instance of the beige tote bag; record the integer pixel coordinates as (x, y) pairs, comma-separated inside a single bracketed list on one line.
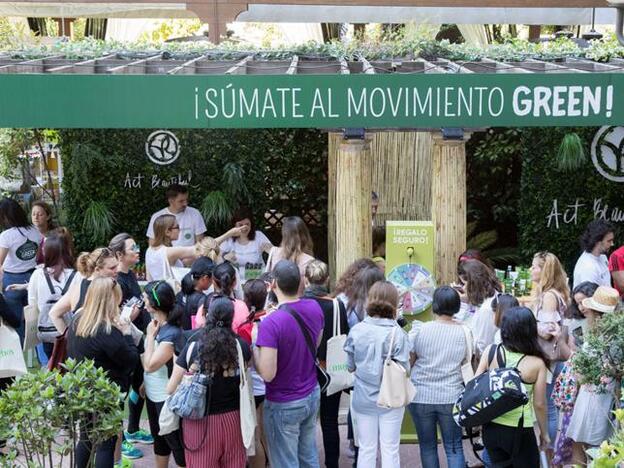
[(247, 405), (397, 390)]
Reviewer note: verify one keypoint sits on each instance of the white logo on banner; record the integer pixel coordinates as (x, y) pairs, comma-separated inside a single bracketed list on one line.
[(607, 152), (162, 147)]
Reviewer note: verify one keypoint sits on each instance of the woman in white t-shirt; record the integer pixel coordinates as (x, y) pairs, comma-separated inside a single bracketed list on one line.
[(47, 283), (161, 256), (19, 242), (243, 245)]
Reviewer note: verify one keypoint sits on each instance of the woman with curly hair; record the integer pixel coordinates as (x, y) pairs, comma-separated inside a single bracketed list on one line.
[(481, 287), (216, 439)]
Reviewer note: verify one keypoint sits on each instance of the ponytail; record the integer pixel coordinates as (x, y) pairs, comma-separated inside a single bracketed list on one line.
[(224, 276)]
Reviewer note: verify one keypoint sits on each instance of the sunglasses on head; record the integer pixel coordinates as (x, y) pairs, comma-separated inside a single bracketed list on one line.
[(105, 251)]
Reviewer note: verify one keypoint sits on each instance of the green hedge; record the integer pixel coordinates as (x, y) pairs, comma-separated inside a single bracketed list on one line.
[(543, 182), (284, 170)]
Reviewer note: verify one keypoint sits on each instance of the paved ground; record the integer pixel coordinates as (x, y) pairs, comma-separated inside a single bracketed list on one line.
[(410, 456)]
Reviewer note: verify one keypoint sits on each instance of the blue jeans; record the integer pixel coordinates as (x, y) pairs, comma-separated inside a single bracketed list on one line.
[(426, 419), (553, 412), (16, 300), (290, 429)]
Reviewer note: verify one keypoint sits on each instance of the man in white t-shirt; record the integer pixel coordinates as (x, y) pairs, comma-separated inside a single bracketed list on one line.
[(192, 226), (593, 264)]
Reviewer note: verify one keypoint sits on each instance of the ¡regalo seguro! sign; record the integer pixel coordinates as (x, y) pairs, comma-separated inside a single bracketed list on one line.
[(314, 101)]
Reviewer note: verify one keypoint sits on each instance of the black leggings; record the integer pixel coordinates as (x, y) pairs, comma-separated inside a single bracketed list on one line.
[(4, 383), (329, 425), (164, 445), (499, 441), (135, 409)]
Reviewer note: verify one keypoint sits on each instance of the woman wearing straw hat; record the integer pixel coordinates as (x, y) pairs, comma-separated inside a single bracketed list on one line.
[(591, 418)]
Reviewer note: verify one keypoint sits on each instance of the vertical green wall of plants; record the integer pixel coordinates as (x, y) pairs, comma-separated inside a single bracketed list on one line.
[(107, 175), (580, 194)]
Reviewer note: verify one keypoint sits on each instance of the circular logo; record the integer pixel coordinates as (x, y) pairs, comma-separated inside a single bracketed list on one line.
[(607, 152), (162, 147)]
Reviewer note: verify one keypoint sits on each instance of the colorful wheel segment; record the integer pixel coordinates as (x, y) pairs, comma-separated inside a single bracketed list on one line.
[(415, 285)]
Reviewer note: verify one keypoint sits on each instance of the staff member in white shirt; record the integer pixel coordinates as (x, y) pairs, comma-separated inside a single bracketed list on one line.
[(192, 226), (593, 265)]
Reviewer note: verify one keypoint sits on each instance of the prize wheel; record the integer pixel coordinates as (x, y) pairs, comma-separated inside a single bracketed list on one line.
[(415, 285)]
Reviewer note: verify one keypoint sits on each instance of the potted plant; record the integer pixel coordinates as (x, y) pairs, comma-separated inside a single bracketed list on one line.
[(44, 411)]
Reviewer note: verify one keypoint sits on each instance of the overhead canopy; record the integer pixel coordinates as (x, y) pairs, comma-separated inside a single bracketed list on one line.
[(213, 91), (317, 13)]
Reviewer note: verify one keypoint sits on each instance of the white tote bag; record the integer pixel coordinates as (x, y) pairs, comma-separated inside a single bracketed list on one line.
[(336, 360), (31, 319), (397, 390), (170, 276), (168, 421), (11, 355), (466, 368), (247, 405)]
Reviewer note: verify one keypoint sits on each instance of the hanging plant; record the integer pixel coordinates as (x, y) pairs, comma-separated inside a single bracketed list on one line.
[(571, 154), (216, 208), (98, 222)]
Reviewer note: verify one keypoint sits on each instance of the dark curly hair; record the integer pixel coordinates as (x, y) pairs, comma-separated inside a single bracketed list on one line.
[(217, 342), (346, 280), (587, 289), (481, 282), (594, 233)]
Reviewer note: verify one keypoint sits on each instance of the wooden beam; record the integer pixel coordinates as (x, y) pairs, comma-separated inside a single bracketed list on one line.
[(136, 67), (292, 69), (240, 68), (367, 68)]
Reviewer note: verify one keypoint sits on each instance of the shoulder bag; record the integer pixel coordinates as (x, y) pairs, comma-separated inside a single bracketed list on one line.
[(555, 348), (466, 369), (247, 408), (336, 360), (170, 277), (189, 399), (321, 375), (11, 356), (396, 390)]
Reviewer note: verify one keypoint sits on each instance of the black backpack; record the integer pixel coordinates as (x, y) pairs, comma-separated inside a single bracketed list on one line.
[(491, 394)]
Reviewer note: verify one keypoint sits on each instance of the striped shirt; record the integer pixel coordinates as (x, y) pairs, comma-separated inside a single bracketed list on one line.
[(440, 349)]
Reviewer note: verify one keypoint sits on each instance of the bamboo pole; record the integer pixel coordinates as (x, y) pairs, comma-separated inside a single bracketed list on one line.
[(353, 203), (333, 144), (448, 207)]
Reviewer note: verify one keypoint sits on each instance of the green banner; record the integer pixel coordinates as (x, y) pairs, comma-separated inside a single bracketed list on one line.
[(311, 101)]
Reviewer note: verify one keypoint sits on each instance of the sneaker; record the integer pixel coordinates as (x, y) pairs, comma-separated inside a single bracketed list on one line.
[(130, 451), (140, 436), (124, 463)]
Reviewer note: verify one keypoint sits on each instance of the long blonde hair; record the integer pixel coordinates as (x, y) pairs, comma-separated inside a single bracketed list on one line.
[(100, 307), (552, 276), (296, 238), (161, 225)]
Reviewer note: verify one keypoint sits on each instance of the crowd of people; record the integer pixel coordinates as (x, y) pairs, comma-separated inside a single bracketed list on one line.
[(221, 306)]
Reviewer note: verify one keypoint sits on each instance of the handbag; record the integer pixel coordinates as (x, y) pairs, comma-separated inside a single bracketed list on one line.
[(322, 376), (168, 421), (12, 361), (31, 318), (247, 411), (566, 388), (336, 361), (189, 399), (555, 348), (396, 390), (170, 277), (59, 353), (466, 368)]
